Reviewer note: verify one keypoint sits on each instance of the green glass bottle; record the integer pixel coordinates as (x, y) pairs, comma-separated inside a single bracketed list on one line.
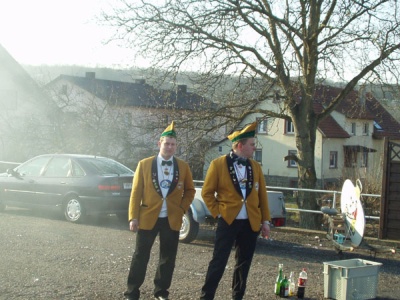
[(278, 280), (284, 288)]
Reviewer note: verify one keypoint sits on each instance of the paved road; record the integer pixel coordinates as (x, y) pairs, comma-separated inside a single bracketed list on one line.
[(45, 257)]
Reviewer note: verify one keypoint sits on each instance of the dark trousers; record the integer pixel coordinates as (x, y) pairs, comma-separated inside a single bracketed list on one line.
[(169, 240), (240, 235)]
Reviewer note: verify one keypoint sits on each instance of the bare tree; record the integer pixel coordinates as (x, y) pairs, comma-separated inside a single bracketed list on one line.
[(88, 125), (294, 44)]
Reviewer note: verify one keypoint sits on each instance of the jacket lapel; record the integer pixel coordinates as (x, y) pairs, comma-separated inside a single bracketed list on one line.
[(232, 174), (154, 176), (175, 179), (235, 181)]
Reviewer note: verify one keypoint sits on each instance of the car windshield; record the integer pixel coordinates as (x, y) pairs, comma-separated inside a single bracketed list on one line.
[(108, 166)]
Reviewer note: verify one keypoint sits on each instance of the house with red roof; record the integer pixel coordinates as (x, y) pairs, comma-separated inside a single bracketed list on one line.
[(349, 142)]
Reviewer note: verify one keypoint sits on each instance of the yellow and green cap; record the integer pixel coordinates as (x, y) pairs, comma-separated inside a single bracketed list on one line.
[(170, 130), (248, 132)]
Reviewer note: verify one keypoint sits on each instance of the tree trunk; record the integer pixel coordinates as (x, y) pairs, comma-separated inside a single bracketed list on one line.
[(306, 127)]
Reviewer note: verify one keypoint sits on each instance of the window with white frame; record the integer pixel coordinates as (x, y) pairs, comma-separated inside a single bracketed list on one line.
[(364, 159), (164, 121), (262, 126), (258, 155), (292, 163), (333, 157), (289, 128), (353, 128), (366, 129), (350, 158), (127, 118)]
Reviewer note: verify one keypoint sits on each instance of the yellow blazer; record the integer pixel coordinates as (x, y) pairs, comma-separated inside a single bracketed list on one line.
[(146, 201), (224, 198)]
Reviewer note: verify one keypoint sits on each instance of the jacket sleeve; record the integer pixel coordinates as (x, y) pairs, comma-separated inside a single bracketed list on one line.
[(189, 190), (209, 189), (263, 198), (136, 193)]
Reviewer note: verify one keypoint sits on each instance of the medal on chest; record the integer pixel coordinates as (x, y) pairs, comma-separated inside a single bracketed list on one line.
[(241, 174), (165, 183)]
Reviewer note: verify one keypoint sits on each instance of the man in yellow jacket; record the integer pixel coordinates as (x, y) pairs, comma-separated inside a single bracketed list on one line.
[(235, 192), (162, 192)]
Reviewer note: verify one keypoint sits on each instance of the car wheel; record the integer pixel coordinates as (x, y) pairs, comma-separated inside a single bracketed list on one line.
[(189, 228), (74, 210)]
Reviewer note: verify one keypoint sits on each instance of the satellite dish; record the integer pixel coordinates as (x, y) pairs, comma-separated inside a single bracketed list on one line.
[(353, 212)]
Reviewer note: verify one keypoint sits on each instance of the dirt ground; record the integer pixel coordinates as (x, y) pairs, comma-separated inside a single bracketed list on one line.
[(45, 257)]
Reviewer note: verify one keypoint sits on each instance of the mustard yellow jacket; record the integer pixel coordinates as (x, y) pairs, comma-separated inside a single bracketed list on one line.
[(146, 197), (222, 195)]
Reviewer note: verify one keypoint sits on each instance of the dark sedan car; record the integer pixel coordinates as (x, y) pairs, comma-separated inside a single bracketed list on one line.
[(77, 185)]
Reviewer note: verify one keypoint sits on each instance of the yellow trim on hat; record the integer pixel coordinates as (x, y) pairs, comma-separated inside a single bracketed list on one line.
[(247, 132), (170, 130)]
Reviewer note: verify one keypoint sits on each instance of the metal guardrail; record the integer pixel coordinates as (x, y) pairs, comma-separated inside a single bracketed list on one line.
[(9, 162), (198, 183)]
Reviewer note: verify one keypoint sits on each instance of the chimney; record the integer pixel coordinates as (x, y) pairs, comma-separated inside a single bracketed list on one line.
[(90, 75)]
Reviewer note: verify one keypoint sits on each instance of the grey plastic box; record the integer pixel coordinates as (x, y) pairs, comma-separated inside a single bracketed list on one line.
[(351, 279)]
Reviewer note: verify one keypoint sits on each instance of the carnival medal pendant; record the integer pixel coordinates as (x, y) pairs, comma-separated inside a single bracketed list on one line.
[(165, 184)]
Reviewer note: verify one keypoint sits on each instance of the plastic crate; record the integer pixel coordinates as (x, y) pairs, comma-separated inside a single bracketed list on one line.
[(339, 238), (351, 279)]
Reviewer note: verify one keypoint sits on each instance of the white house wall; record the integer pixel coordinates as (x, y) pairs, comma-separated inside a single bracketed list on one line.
[(21, 102), (276, 144)]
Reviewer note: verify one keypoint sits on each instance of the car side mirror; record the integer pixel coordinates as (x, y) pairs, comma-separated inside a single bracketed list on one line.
[(13, 173)]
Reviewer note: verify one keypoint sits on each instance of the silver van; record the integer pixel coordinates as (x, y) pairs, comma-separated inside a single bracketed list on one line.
[(199, 214)]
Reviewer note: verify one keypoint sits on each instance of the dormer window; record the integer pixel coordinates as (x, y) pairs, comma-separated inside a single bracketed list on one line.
[(377, 126)]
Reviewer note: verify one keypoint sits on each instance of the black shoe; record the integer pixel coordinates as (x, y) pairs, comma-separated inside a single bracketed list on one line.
[(162, 298), (128, 297)]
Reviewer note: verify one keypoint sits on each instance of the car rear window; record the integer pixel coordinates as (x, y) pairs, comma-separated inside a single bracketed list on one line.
[(105, 166)]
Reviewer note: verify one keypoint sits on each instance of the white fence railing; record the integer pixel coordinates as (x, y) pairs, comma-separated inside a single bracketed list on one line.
[(198, 183)]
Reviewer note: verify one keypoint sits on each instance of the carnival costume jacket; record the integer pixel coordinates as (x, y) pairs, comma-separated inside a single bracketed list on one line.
[(223, 197), (145, 203)]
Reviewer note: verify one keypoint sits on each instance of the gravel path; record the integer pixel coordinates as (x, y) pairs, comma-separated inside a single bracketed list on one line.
[(45, 257)]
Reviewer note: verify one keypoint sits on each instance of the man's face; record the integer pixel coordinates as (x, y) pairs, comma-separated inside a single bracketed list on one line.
[(248, 148), (167, 147)]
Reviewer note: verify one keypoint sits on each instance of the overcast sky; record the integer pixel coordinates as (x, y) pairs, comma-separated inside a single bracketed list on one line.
[(58, 32)]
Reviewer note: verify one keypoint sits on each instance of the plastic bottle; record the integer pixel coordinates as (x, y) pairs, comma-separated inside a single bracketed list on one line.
[(301, 284), (284, 288), (278, 280), (292, 284)]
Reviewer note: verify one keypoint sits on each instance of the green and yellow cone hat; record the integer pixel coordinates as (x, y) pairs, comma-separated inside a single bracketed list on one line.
[(170, 130), (247, 132)]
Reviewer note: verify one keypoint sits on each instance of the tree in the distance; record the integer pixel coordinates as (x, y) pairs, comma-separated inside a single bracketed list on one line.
[(293, 44)]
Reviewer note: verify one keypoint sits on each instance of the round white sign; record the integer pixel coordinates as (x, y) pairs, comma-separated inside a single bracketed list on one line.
[(351, 207)]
